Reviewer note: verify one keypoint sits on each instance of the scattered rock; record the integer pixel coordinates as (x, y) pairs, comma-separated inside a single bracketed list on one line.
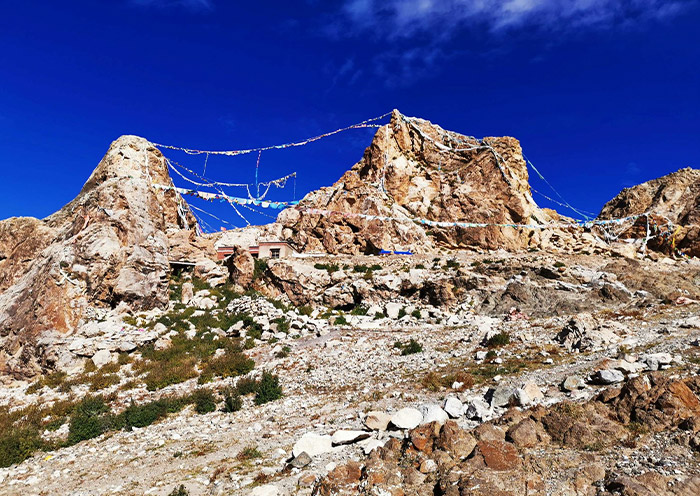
[(313, 444), (348, 437), (377, 421), (407, 418), (453, 407)]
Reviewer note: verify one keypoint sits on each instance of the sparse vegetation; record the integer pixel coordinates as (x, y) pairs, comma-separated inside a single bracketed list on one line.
[(498, 340), (204, 401), (409, 348), (340, 320), (248, 453), (330, 268), (179, 491), (269, 389), (232, 400)]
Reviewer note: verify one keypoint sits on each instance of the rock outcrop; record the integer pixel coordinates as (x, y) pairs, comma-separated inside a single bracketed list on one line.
[(108, 246), (673, 202), (416, 170)]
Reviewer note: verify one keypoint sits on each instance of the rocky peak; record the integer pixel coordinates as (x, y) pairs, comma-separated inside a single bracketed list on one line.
[(673, 204), (107, 246), (416, 170)]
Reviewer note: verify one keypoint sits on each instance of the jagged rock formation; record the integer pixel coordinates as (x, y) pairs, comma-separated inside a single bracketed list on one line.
[(109, 245), (416, 170), (673, 202)]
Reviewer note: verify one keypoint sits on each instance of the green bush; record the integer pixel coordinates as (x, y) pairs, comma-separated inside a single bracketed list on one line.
[(269, 389), (204, 401), (340, 320), (88, 419), (378, 315), (416, 314), (305, 310), (16, 445), (402, 313), (282, 324), (498, 340), (260, 268), (359, 310), (231, 364), (232, 400), (452, 264), (330, 268), (166, 373), (249, 453), (409, 348)]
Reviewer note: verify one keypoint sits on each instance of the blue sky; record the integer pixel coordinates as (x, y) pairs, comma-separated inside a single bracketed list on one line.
[(602, 94)]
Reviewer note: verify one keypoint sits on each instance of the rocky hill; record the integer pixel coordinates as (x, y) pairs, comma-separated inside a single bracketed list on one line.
[(107, 247), (416, 170), (673, 202)]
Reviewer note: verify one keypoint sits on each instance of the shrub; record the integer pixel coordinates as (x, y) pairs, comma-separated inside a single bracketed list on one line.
[(498, 340), (559, 264), (204, 401), (231, 364), (282, 324), (452, 264), (269, 389), (378, 315), (330, 268), (416, 314), (340, 320), (412, 347), (402, 313), (246, 385), (248, 453), (232, 400), (88, 419), (260, 268), (167, 373), (16, 445), (359, 310), (179, 491), (365, 268), (305, 310)]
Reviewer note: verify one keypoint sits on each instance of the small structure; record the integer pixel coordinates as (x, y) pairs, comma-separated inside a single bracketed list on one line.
[(272, 249), (264, 249)]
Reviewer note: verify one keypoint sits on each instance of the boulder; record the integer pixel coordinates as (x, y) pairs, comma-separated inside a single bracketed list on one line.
[(407, 418), (433, 413), (102, 358), (572, 383), (348, 437), (453, 407), (312, 444), (377, 421), (608, 376), (501, 396)]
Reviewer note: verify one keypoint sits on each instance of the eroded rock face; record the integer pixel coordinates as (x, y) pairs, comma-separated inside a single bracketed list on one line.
[(109, 245), (673, 198), (412, 171)]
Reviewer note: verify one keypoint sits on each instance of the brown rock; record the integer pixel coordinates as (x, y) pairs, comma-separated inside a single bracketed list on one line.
[(489, 432), (498, 455), (405, 174), (526, 434), (455, 440), (675, 198), (107, 246), (424, 436)]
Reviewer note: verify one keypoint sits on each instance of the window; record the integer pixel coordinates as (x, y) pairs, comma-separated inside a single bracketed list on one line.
[(274, 253)]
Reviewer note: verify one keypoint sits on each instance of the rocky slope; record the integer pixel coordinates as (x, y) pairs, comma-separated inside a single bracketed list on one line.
[(416, 170), (673, 202), (106, 247)]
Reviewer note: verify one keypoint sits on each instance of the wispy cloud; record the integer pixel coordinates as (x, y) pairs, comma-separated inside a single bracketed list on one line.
[(406, 18), (193, 5)]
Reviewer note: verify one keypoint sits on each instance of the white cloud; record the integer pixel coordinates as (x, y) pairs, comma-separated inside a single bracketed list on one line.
[(405, 18), (194, 5)]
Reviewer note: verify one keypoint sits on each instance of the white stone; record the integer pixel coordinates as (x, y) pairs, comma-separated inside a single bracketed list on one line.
[(313, 444), (348, 437), (407, 418), (370, 445), (609, 376), (478, 409), (453, 407), (102, 358), (433, 413), (392, 310)]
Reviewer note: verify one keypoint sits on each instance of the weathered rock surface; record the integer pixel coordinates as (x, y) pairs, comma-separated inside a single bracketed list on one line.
[(109, 245), (673, 198), (416, 170)]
